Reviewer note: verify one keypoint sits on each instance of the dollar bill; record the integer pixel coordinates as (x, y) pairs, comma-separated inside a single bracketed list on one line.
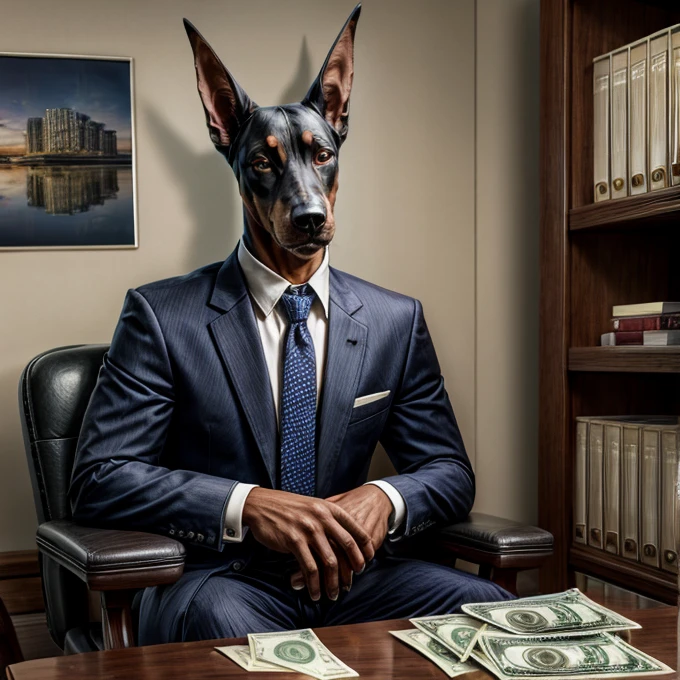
[(458, 633), (567, 613), (539, 657), (240, 654), (300, 651), (435, 651)]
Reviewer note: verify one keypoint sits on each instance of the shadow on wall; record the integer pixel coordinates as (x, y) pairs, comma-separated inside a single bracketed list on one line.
[(206, 178), (526, 251)]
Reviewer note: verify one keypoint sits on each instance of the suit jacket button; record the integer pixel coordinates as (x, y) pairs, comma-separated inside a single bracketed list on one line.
[(171, 532), (231, 533), (200, 537), (180, 533), (237, 566), (191, 535)]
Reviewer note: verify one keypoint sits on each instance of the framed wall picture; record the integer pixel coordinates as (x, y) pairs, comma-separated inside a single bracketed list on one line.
[(67, 155)]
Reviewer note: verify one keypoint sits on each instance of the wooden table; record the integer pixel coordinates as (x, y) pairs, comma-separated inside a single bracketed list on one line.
[(365, 647)]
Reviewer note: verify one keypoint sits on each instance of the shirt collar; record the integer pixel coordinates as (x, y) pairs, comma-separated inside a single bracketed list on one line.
[(266, 286)]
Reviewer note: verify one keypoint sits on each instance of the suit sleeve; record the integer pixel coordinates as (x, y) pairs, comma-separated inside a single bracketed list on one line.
[(422, 439), (117, 479)]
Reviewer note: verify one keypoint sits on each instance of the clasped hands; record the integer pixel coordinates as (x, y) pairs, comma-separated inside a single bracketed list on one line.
[(331, 539)]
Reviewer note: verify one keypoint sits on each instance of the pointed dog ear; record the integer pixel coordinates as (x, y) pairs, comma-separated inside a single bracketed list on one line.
[(329, 93), (226, 104)]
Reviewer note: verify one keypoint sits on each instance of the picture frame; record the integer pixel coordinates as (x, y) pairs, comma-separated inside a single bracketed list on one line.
[(67, 152)]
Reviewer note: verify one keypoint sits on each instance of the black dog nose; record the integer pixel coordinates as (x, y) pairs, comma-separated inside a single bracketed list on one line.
[(308, 218)]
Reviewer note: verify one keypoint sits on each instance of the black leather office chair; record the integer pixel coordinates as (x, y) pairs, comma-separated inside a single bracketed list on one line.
[(54, 391)]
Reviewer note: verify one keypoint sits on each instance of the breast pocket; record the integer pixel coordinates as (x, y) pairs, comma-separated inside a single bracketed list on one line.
[(367, 406)]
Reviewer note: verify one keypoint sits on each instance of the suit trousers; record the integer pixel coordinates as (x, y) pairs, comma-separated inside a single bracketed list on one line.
[(259, 599)]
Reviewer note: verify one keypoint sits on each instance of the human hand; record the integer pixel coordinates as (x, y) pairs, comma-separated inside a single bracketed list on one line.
[(304, 526), (371, 508)]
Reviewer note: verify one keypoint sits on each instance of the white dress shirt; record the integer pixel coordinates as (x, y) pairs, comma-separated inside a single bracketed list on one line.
[(266, 288)]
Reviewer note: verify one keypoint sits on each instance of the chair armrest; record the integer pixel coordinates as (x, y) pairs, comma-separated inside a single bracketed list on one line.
[(108, 559), (498, 542)]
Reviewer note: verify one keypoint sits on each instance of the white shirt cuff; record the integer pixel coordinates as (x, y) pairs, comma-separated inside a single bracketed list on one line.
[(234, 531), (398, 504)]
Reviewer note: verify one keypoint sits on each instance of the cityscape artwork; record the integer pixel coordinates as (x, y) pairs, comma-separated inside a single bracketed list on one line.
[(66, 152)]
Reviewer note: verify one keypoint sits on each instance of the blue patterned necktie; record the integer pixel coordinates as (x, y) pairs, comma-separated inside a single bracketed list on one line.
[(298, 398)]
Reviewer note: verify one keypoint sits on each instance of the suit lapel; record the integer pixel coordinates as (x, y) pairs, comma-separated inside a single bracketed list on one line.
[(344, 358), (238, 342)]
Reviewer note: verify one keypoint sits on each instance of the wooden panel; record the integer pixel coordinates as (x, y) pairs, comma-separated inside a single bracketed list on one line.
[(606, 394), (22, 595), (554, 471), (645, 210), (625, 359), (20, 585), (19, 563), (33, 636)]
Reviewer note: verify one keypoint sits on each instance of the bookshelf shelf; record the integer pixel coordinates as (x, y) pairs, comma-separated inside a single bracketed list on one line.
[(650, 209), (634, 359), (660, 584)]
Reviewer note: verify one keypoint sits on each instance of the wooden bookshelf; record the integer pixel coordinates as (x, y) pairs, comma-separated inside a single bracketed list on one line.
[(594, 256)]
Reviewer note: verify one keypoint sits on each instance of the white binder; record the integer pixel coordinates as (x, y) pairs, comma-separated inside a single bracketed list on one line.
[(637, 117), (595, 445), (669, 486), (630, 472), (581, 481), (601, 68), (649, 497), (658, 111), (619, 124), (675, 104), (612, 486)]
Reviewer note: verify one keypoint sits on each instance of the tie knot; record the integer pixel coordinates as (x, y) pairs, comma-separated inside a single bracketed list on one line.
[(298, 302)]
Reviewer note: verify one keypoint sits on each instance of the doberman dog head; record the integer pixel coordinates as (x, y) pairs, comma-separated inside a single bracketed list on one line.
[(285, 158)]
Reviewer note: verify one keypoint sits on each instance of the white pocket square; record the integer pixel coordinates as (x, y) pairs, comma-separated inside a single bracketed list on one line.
[(368, 398)]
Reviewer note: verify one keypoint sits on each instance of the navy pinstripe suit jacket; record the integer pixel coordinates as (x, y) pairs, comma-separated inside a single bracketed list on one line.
[(183, 409)]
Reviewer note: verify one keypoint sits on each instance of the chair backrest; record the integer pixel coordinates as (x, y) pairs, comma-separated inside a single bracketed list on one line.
[(54, 391)]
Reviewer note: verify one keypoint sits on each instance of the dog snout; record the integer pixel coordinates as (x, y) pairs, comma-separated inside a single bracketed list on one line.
[(308, 218)]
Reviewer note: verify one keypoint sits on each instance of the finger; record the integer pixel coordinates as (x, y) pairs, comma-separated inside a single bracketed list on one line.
[(360, 537), (336, 498), (330, 564), (297, 581), (310, 569), (345, 572)]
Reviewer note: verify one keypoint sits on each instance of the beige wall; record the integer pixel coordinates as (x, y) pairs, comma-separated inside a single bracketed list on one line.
[(406, 210), (507, 258)]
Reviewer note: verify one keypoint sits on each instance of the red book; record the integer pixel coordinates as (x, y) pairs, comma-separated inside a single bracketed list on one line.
[(658, 322), (622, 338)]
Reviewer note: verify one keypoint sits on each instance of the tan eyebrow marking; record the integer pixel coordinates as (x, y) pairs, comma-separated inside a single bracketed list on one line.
[(275, 144), (307, 137)]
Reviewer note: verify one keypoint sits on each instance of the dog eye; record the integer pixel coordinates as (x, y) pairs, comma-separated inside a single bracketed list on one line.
[(323, 156), (261, 163)]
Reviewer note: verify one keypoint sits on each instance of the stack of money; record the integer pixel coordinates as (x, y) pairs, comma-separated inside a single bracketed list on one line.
[(298, 651), (549, 636)]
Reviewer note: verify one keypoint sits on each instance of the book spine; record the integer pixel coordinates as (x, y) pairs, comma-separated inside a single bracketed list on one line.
[(612, 486), (629, 337), (630, 498), (649, 501), (581, 481), (669, 485), (595, 487), (660, 322)]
